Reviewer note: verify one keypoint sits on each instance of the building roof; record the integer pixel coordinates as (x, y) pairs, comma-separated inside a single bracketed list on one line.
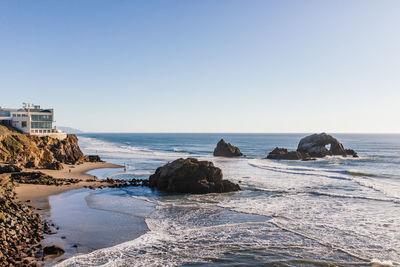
[(25, 110)]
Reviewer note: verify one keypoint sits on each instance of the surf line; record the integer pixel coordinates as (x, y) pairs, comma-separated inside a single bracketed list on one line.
[(319, 241)]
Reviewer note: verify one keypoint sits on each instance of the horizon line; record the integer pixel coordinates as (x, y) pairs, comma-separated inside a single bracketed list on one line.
[(101, 132)]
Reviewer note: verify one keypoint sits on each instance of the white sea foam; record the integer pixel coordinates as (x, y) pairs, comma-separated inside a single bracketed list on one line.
[(390, 189), (379, 263), (116, 151), (317, 213)]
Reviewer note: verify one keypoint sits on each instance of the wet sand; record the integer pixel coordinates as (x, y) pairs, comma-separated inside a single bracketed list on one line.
[(79, 228), (34, 192), (83, 228)]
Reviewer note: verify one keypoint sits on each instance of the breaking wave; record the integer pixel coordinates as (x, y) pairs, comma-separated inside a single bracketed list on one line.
[(288, 213)]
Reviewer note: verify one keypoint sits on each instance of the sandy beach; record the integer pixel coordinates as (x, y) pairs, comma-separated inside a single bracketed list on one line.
[(68, 209), (34, 192)]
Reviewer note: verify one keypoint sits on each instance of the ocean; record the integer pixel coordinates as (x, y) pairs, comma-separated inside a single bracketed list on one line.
[(332, 211)]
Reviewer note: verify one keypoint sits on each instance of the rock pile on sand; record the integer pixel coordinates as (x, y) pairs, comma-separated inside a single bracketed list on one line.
[(20, 229)]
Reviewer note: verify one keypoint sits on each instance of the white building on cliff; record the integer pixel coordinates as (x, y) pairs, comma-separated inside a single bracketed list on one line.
[(33, 120)]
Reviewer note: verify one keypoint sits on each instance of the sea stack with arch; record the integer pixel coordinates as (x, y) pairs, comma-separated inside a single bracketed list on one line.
[(314, 146)]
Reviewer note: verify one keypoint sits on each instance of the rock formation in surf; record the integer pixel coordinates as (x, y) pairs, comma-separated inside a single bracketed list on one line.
[(313, 146), (191, 176), (283, 153), (224, 149)]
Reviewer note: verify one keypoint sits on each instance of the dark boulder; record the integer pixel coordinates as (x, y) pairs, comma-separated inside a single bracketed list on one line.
[(10, 168), (351, 152), (55, 166), (93, 158), (283, 153), (31, 164), (224, 149), (53, 251), (191, 176)]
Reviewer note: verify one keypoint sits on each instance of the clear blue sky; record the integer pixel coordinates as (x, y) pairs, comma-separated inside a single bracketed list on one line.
[(205, 66)]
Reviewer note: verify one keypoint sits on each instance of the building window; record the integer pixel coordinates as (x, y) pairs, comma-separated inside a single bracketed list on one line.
[(40, 124), (4, 113), (23, 124), (18, 115), (41, 117), (14, 115)]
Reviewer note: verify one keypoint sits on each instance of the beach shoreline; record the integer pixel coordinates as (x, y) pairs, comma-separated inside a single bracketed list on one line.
[(79, 228), (35, 192), (64, 235)]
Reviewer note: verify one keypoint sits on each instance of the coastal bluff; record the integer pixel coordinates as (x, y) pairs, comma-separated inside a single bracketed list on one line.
[(38, 152), (191, 176)]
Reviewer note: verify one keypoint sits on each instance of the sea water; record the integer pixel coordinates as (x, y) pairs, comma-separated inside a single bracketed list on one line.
[(332, 211)]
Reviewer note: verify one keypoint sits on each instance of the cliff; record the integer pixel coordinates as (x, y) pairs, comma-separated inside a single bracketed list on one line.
[(38, 152)]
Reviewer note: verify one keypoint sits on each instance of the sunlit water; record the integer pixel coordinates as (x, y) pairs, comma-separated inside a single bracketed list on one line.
[(335, 210)]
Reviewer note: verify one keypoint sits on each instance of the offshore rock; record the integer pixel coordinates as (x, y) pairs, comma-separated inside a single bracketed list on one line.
[(351, 152), (311, 147), (315, 146), (283, 153), (224, 149), (191, 176)]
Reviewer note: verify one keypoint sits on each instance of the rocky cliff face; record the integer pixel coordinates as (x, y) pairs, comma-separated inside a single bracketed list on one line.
[(40, 152)]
